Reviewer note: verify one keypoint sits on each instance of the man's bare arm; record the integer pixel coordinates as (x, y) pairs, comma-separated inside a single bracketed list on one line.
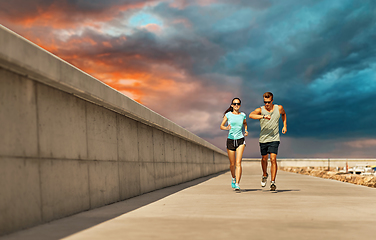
[(256, 114), (284, 118)]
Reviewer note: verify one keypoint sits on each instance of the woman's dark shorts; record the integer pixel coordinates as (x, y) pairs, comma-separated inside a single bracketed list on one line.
[(233, 144), (269, 147)]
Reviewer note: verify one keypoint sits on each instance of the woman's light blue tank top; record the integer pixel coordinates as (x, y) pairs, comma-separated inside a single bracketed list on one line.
[(236, 122)]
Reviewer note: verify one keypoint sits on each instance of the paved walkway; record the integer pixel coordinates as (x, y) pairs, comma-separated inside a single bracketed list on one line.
[(303, 207)]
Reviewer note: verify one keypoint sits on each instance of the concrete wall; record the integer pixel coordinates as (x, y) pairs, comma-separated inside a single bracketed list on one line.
[(69, 143)]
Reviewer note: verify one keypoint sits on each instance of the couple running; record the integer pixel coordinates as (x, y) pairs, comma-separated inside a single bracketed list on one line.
[(269, 137)]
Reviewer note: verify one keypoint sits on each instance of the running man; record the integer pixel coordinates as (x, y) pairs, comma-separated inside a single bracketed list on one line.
[(269, 136)]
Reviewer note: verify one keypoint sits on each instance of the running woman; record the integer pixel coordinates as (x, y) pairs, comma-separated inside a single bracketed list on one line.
[(269, 136), (235, 141)]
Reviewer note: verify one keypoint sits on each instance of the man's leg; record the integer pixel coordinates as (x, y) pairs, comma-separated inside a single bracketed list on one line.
[(273, 168), (264, 164)]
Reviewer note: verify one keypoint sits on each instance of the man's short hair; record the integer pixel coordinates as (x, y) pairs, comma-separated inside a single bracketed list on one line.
[(268, 95)]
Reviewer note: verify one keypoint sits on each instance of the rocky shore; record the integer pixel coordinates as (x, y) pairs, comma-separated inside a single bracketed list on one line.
[(323, 172)]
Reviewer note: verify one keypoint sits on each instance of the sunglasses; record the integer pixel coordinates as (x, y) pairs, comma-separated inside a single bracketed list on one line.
[(236, 103), (266, 102)]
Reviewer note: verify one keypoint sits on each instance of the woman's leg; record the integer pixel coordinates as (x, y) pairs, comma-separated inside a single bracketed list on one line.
[(231, 157), (239, 156)]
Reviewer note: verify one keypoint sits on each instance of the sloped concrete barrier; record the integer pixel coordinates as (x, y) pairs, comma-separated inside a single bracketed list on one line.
[(69, 143), (326, 162), (316, 162)]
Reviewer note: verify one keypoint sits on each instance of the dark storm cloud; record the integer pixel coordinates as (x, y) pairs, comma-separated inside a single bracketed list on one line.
[(341, 41), (100, 5), (288, 48), (181, 53)]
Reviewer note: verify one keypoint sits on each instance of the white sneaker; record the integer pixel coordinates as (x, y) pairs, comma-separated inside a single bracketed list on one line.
[(264, 179), (237, 188), (273, 187)]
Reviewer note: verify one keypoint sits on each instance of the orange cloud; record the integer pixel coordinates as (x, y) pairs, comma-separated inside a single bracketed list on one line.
[(185, 22), (360, 144), (147, 81), (181, 4), (155, 28)]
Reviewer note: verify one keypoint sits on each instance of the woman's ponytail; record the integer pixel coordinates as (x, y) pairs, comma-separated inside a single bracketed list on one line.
[(228, 110)]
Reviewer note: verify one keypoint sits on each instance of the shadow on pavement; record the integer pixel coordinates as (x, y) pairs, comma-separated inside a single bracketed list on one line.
[(67, 226), (250, 190), (262, 190), (289, 190)]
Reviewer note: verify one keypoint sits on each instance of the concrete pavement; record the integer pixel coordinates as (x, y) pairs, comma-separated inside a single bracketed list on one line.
[(303, 207)]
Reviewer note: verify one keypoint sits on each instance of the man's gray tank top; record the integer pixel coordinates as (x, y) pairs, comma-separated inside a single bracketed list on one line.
[(270, 128)]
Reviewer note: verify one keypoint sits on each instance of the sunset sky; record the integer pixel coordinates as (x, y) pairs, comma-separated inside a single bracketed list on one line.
[(187, 59)]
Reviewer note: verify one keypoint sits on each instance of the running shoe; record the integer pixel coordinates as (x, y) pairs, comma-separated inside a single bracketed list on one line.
[(273, 187), (264, 180), (233, 182), (237, 188)]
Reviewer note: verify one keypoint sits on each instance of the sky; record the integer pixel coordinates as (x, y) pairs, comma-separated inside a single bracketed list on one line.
[(187, 59)]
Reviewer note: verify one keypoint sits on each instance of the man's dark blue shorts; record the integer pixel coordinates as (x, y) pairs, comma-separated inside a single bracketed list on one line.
[(269, 147)]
